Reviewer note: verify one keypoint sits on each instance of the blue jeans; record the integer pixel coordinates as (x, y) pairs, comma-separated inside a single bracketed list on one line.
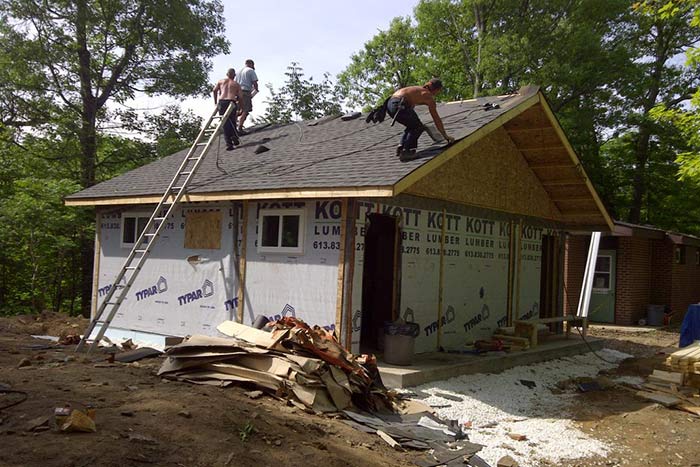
[(407, 117), (230, 133)]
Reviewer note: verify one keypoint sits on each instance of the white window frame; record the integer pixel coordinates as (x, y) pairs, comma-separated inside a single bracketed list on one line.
[(297, 250), (134, 215), (609, 273)]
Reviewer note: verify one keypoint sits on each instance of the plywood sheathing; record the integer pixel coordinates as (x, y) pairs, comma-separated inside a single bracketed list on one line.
[(203, 230), (492, 174)]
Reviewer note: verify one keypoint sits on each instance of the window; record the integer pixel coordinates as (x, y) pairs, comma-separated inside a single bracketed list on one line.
[(281, 231), (132, 226), (601, 278), (680, 254)]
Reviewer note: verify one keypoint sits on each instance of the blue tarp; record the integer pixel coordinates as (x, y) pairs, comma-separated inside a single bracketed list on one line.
[(690, 329)]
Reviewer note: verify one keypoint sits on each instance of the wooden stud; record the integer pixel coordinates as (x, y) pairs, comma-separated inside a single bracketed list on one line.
[(242, 263), (341, 270), (509, 294), (350, 271), (96, 264), (397, 258), (441, 278), (518, 268)]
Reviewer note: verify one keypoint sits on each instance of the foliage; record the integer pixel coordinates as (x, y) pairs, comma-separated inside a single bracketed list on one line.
[(301, 99), (246, 431), (388, 61), (38, 269), (67, 59), (604, 65)]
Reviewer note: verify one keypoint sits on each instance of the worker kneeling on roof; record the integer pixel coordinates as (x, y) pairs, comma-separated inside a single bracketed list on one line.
[(400, 107)]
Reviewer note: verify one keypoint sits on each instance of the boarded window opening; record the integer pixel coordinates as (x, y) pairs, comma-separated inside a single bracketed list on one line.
[(203, 230)]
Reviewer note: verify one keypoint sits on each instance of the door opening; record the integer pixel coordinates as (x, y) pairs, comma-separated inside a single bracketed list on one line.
[(379, 279), (549, 277)]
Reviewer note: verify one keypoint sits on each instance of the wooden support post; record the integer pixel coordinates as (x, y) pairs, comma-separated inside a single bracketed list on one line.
[(242, 263), (96, 264), (518, 268), (349, 270), (441, 278), (341, 270), (509, 295)]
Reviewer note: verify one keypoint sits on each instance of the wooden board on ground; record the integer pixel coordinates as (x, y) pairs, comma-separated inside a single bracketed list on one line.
[(666, 400), (666, 377)]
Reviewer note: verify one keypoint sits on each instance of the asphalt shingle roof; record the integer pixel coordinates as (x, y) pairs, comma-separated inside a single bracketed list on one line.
[(331, 153)]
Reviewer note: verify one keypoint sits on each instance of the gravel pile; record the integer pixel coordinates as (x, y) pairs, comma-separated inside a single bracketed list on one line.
[(500, 405)]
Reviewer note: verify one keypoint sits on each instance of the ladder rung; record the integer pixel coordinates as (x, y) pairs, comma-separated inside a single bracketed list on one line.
[(159, 218), (149, 234), (141, 251), (184, 173), (177, 188), (192, 158), (201, 144), (131, 268)]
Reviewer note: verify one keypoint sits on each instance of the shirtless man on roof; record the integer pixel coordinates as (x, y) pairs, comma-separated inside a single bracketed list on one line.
[(228, 92), (400, 107)]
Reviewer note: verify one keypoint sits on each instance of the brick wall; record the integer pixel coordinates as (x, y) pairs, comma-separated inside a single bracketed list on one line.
[(633, 279), (685, 288), (662, 272)]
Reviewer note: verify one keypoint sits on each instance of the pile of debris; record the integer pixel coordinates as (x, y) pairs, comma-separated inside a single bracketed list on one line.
[(677, 385), (292, 361), (308, 367)]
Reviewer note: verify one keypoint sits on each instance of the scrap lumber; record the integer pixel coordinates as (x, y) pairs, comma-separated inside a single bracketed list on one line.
[(666, 400), (666, 377), (293, 360)]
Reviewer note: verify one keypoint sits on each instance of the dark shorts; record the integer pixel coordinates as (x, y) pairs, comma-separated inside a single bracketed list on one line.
[(247, 103)]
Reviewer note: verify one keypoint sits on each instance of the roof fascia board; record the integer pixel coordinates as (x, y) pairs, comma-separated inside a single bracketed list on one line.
[(574, 158), (349, 192), (454, 150)]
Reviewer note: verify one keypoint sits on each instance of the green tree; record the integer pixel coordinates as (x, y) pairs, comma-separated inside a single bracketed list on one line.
[(84, 53), (390, 60), (661, 32), (301, 99)]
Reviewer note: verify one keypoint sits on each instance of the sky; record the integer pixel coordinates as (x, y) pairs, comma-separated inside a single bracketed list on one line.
[(319, 35)]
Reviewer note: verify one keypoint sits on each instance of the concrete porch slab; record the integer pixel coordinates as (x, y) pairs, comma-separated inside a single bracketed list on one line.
[(437, 366)]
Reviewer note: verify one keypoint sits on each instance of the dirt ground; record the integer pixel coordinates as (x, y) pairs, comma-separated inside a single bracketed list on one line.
[(145, 420)]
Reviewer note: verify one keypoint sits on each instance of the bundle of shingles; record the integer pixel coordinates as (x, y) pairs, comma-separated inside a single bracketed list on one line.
[(290, 360)]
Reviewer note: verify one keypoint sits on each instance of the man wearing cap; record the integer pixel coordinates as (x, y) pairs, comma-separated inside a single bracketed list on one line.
[(248, 80), (400, 107), (228, 92)]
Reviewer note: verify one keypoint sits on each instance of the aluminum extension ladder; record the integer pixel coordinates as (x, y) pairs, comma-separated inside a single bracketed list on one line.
[(147, 238)]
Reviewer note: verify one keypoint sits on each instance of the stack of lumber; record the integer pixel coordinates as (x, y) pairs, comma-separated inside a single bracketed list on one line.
[(304, 365), (676, 388), (685, 361)]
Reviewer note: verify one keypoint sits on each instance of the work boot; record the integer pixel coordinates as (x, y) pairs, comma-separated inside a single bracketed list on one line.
[(399, 150), (230, 147), (408, 155)]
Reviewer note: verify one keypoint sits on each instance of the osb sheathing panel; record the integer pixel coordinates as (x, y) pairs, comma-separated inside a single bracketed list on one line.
[(491, 173), (203, 230)]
